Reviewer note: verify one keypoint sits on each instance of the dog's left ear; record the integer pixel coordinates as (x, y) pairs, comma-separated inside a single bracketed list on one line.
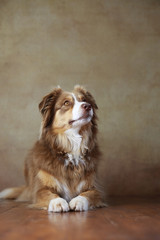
[(87, 94), (46, 106)]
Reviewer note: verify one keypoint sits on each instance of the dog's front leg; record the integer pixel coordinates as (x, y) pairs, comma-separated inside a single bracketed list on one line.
[(87, 200), (45, 199)]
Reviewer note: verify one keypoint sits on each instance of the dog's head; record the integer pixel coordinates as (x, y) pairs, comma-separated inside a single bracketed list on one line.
[(65, 110)]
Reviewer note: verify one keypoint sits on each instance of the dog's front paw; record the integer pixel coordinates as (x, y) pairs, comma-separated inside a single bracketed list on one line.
[(79, 204), (58, 205)]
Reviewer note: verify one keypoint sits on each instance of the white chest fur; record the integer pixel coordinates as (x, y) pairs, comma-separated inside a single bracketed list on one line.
[(77, 147), (65, 191), (75, 139), (75, 160)]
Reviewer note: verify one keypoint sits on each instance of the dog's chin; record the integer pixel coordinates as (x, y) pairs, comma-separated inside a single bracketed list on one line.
[(80, 122)]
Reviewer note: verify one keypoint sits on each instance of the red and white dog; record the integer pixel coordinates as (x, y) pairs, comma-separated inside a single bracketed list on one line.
[(61, 168)]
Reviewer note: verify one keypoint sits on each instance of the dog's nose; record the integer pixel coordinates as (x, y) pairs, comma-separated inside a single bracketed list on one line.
[(86, 106)]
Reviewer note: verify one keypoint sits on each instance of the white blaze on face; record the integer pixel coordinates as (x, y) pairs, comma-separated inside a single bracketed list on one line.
[(78, 112), (80, 117)]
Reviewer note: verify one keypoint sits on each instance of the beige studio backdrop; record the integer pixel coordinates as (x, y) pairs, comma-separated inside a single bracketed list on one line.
[(112, 48)]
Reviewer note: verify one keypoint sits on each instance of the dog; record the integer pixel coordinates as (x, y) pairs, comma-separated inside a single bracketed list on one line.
[(61, 168)]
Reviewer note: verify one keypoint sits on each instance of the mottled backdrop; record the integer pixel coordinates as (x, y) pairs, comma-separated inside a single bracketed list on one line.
[(111, 47)]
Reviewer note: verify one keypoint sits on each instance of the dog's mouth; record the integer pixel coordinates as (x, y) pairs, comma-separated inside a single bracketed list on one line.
[(85, 116)]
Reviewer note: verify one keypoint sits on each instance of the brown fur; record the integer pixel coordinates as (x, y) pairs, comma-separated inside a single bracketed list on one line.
[(45, 170)]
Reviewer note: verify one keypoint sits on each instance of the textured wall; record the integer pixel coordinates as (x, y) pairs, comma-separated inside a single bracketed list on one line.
[(111, 47)]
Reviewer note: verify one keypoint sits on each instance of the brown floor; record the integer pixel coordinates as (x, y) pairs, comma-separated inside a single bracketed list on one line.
[(124, 219)]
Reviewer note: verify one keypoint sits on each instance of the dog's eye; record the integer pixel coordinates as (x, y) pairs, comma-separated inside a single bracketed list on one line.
[(66, 103), (83, 99)]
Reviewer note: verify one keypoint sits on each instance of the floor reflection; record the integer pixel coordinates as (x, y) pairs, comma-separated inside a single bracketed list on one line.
[(73, 218)]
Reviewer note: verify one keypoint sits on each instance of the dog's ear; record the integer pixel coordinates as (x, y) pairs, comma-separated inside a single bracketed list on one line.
[(87, 94), (46, 106)]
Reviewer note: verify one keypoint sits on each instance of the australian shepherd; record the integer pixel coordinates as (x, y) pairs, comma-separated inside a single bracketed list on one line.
[(61, 169)]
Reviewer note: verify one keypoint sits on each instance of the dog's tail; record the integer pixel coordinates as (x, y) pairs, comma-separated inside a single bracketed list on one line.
[(12, 193)]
